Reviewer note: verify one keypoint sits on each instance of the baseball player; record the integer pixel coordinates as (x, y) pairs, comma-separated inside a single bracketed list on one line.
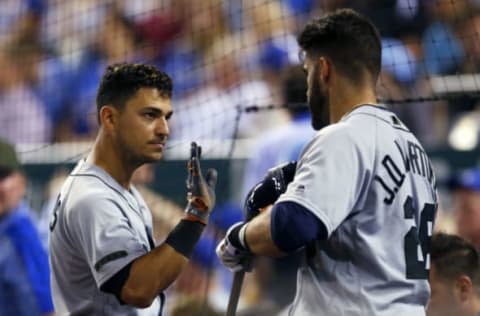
[(362, 199), (102, 255), (454, 277)]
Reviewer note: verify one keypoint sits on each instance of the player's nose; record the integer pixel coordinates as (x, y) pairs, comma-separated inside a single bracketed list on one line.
[(162, 128)]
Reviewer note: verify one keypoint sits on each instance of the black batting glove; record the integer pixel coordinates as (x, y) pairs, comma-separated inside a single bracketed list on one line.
[(268, 191), (200, 190)]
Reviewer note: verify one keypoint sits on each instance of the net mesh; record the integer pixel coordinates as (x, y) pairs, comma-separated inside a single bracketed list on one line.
[(226, 58), (228, 61)]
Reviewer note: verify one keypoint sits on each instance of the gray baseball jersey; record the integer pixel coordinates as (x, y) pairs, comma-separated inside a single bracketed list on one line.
[(98, 227), (368, 179)]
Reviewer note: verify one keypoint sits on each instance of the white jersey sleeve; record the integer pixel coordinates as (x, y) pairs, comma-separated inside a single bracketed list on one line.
[(108, 240), (332, 160)]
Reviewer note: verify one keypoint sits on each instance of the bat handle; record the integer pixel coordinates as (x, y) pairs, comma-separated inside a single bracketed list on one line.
[(235, 293)]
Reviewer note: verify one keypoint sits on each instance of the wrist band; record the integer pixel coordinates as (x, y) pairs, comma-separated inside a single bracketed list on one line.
[(238, 239), (185, 236), (243, 237)]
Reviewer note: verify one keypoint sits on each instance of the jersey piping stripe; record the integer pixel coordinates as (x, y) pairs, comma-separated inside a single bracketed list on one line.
[(110, 257)]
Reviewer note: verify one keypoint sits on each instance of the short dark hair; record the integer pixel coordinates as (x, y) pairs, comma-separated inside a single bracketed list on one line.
[(349, 39), (121, 81), (454, 256)]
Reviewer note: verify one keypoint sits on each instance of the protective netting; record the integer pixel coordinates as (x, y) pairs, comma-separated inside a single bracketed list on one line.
[(224, 56), (230, 62)]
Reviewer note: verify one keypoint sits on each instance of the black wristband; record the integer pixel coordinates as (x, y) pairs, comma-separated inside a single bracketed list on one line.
[(185, 236), (234, 238)]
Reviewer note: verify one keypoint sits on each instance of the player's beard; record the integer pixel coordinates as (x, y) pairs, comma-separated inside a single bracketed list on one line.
[(132, 155), (318, 103)]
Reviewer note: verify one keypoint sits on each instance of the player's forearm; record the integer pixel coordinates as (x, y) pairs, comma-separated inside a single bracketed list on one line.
[(151, 274), (154, 272), (259, 236)]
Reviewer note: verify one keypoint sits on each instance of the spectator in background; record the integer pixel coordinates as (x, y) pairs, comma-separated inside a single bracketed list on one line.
[(466, 205), (399, 81), (272, 33), (470, 28), (454, 277), (23, 119), (277, 277), (20, 19), (202, 24), (212, 111), (70, 27), (284, 142), (24, 272), (443, 49), (116, 41)]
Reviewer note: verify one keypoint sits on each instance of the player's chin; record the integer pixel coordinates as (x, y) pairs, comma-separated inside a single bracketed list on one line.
[(153, 156), (157, 156)]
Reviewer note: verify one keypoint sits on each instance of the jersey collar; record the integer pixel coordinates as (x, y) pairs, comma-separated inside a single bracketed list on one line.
[(86, 168), (366, 108)]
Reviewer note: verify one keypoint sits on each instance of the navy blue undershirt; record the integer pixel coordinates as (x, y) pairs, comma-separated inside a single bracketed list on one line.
[(293, 226)]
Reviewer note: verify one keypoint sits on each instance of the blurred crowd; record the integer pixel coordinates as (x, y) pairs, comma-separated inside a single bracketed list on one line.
[(224, 57), (228, 60)]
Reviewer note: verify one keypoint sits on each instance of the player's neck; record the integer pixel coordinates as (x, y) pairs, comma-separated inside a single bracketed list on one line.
[(107, 157), (344, 101)]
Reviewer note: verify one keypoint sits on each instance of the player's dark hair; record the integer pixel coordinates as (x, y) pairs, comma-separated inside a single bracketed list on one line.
[(121, 81), (348, 39), (453, 256)]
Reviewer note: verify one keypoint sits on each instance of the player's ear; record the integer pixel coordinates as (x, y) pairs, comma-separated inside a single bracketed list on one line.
[(325, 69), (464, 287), (107, 116)]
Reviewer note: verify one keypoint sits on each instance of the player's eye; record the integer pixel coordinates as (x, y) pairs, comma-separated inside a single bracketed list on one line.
[(149, 115)]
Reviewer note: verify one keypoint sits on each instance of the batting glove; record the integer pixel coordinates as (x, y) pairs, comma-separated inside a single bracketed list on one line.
[(233, 250), (269, 190), (200, 190)]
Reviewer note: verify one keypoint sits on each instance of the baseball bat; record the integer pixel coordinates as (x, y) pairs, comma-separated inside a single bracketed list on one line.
[(237, 286), (235, 292)]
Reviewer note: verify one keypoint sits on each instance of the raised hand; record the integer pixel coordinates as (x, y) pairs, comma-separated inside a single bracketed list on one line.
[(200, 190)]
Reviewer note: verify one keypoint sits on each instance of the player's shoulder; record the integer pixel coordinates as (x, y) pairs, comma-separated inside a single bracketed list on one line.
[(87, 203), (369, 117), (336, 139), (345, 137), (86, 188), (366, 122), (340, 131)]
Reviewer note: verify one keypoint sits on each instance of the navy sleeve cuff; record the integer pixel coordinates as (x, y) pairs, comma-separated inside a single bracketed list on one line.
[(115, 284)]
